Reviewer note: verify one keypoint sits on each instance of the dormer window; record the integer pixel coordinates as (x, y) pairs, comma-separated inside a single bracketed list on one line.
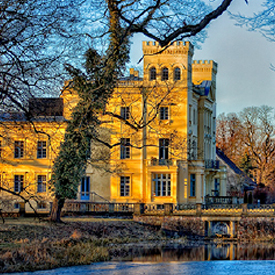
[(153, 74), (177, 74), (164, 74)]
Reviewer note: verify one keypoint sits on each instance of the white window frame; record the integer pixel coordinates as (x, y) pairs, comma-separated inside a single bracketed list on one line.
[(164, 113), (41, 149), (18, 183), (41, 183), (162, 184), (125, 148), (19, 149), (125, 186), (125, 112)]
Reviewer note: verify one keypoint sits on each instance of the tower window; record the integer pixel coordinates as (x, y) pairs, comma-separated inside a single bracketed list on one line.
[(177, 74), (164, 74), (192, 185), (163, 148), (125, 112), (153, 74), (18, 183), (125, 148), (124, 186), (18, 149), (41, 183), (163, 113), (41, 149)]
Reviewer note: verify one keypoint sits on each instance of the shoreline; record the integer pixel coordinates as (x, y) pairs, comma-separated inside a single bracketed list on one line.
[(29, 245)]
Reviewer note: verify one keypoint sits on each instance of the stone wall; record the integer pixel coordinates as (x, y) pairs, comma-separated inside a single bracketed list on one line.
[(256, 229), (247, 228), (181, 225)]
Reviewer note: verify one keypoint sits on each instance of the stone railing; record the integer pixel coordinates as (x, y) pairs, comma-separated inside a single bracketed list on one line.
[(92, 207), (169, 209), (162, 162), (211, 164), (218, 200)]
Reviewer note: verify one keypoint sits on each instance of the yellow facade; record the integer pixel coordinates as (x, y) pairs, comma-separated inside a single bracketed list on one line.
[(169, 155), (163, 126), (27, 154)]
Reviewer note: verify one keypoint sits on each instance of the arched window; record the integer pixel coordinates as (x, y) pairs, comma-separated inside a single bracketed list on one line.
[(177, 74), (153, 74), (164, 74)]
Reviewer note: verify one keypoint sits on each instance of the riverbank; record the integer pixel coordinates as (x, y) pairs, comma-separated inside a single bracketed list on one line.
[(27, 244)]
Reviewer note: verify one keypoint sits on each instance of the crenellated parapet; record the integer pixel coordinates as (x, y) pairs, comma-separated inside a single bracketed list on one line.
[(204, 66), (204, 70), (176, 55), (178, 47)]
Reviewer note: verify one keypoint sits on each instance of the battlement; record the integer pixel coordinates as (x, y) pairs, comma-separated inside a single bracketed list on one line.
[(204, 70), (205, 63), (178, 47)]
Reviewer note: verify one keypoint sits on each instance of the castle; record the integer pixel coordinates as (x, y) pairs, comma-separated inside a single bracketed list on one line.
[(163, 124)]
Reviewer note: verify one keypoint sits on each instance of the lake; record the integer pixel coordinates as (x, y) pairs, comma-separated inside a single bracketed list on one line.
[(214, 259)]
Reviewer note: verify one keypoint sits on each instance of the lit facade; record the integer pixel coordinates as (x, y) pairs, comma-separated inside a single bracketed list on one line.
[(164, 128), (167, 150)]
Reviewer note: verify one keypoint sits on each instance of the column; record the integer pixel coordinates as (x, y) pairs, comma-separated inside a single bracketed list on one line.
[(199, 184), (223, 184)]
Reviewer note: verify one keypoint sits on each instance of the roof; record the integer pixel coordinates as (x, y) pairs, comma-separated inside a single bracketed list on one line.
[(248, 182), (40, 110), (45, 106), (131, 78), (21, 117)]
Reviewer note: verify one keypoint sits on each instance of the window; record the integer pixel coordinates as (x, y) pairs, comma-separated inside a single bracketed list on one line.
[(124, 186), (41, 205), (18, 149), (163, 113), (192, 185), (217, 187), (41, 149), (18, 183), (41, 183), (164, 74), (125, 112), (194, 116), (16, 205), (177, 74), (163, 148), (153, 74), (85, 188), (125, 148), (162, 184)]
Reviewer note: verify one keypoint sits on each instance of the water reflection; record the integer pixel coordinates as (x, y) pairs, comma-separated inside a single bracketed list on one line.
[(210, 252)]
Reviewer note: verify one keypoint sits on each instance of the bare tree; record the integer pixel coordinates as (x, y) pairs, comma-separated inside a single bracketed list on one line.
[(252, 146), (34, 42)]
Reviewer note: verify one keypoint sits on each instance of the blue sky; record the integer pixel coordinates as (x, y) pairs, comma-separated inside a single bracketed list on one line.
[(244, 59)]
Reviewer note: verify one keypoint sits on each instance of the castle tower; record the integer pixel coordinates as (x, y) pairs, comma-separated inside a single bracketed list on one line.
[(177, 57), (204, 76)]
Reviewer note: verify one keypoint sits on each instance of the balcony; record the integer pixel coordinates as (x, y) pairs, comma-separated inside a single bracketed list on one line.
[(162, 162), (218, 199), (211, 164)]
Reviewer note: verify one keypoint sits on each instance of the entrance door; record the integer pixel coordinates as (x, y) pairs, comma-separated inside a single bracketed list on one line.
[(85, 189)]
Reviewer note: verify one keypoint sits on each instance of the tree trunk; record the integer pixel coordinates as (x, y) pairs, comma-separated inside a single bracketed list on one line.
[(56, 210)]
